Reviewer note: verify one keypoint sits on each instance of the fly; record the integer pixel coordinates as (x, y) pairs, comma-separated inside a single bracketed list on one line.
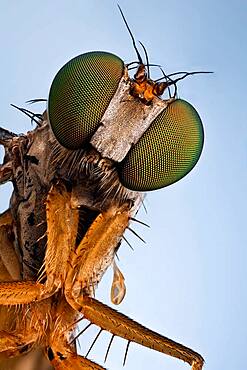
[(78, 179)]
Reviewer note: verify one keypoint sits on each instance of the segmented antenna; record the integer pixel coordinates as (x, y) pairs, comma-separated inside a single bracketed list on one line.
[(131, 35)]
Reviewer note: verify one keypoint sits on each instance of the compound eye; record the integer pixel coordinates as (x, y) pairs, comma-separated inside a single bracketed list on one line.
[(167, 151), (79, 95)]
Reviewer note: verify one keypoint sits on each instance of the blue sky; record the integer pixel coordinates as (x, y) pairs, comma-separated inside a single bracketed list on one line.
[(188, 281)]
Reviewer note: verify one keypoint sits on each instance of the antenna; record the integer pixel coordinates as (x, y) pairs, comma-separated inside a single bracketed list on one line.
[(131, 35), (146, 56), (170, 81)]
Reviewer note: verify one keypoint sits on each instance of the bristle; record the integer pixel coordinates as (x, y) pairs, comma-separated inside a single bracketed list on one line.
[(124, 238), (137, 235), (108, 348), (126, 352), (95, 339), (80, 333), (139, 222)]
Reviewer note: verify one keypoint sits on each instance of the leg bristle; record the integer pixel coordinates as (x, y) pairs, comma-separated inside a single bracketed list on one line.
[(108, 348)]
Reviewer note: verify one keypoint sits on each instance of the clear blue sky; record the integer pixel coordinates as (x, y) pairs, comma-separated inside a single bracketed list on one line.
[(189, 281)]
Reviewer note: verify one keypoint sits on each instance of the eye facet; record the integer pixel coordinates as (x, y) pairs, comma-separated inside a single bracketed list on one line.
[(80, 94), (167, 151)]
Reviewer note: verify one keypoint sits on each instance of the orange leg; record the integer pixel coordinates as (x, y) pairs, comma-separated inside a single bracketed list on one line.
[(96, 250), (98, 245), (118, 324), (79, 271), (62, 227), (62, 223)]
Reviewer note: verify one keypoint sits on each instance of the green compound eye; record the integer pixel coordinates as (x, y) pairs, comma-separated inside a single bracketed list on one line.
[(79, 95), (167, 151)]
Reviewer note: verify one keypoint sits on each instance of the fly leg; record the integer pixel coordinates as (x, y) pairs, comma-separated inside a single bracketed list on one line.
[(12, 342), (93, 253), (12, 292), (96, 251), (62, 223), (120, 325)]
